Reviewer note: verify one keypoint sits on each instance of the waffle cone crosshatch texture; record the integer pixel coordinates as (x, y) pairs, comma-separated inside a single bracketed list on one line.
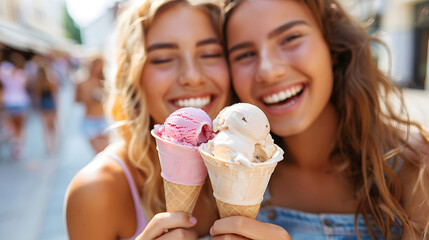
[(181, 198), (227, 210)]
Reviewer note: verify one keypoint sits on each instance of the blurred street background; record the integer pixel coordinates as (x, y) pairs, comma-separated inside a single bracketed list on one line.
[(63, 37)]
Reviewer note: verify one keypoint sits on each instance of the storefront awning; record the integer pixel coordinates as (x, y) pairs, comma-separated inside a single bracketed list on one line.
[(27, 39)]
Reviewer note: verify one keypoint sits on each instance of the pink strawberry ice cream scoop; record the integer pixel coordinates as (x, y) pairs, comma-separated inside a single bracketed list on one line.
[(187, 126), (177, 143)]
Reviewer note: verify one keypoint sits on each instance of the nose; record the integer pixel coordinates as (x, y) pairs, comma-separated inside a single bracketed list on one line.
[(271, 67), (191, 75)]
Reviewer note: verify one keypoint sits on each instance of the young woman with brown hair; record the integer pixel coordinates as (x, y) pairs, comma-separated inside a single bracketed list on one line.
[(355, 166)]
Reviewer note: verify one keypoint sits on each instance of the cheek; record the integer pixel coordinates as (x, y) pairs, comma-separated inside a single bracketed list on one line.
[(158, 81), (315, 61), (219, 73), (325, 76), (242, 82)]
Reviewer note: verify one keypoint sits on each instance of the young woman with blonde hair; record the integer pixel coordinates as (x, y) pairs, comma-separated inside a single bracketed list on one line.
[(355, 167), (170, 55)]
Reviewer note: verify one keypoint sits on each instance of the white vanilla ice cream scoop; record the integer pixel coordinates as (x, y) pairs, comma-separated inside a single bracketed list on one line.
[(242, 135), (240, 159)]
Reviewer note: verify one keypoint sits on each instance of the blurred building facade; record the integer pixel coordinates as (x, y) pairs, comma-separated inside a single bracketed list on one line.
[(97, 33), (100, 35), (404, 26), (33, 25)]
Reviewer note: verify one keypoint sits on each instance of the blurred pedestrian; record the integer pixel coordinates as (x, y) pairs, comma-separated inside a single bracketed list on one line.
[(45, 90), (90, 92), (61, 65), (31, 67), (5, 131), (15, 98)]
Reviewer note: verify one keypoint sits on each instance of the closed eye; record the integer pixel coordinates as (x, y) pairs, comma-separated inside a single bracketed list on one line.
[(161, 61), (216, 55), (244, 55), (290, 38)]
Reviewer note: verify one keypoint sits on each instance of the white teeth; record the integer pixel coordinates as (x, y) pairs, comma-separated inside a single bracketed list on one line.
[(283, 95), (193, 102)]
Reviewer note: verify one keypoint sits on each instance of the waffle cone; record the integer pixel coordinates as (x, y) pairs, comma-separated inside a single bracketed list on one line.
[(227, 210), (180, 198)]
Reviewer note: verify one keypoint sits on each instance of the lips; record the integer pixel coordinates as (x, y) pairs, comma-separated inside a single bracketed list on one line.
[(284, 97)]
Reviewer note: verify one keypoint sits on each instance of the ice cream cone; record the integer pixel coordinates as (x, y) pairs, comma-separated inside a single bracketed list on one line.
[(183, 172), (239, 189), (181, 198), (226, 210)]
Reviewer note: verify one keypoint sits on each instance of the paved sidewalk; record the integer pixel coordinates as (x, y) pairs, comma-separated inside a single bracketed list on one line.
[(32, 190)]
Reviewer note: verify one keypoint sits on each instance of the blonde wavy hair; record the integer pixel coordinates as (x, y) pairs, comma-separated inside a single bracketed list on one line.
[(369, 144), (126, 96)]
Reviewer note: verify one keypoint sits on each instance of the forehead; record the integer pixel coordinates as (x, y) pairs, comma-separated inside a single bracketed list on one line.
[(261, 16), (180, 21)]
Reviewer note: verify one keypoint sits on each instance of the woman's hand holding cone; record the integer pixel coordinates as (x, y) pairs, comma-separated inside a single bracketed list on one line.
[(238, 227), (170, 225)]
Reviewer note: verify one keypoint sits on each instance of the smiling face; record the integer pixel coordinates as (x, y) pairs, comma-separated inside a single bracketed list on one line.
[(280, 62), (185, 64)]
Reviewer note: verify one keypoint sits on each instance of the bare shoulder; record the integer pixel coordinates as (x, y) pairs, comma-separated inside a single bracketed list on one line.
[(91, 200), (97, 178)]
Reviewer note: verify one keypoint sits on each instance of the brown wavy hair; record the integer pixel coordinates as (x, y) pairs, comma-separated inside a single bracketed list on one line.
[(126, 97), (372, 134)]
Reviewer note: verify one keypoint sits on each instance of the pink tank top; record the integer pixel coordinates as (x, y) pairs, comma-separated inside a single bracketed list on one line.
[(14, 81), (141, 219)]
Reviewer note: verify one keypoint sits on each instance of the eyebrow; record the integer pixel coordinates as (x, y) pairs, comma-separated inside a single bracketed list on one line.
[(208, 41), (239, 46), (271, 34), (156, 46), (285, 27)]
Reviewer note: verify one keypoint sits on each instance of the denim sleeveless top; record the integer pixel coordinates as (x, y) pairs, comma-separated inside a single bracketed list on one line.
[(303, 225)]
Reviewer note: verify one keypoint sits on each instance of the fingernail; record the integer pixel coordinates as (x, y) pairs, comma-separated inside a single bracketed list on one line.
[(192, 219), (211, 231)]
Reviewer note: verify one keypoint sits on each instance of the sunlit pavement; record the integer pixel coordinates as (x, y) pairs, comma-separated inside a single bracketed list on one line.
[(32, 189)]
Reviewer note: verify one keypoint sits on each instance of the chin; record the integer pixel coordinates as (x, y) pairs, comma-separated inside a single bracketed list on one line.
[(289, 130), (214, 111), (216, 108)]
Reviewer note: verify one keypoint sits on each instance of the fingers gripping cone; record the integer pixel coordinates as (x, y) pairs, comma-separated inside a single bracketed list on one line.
[(239, 189), (183, 172)]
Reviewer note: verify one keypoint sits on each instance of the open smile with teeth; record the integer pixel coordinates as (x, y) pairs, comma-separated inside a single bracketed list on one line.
[(285, 96), (198, 102)]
